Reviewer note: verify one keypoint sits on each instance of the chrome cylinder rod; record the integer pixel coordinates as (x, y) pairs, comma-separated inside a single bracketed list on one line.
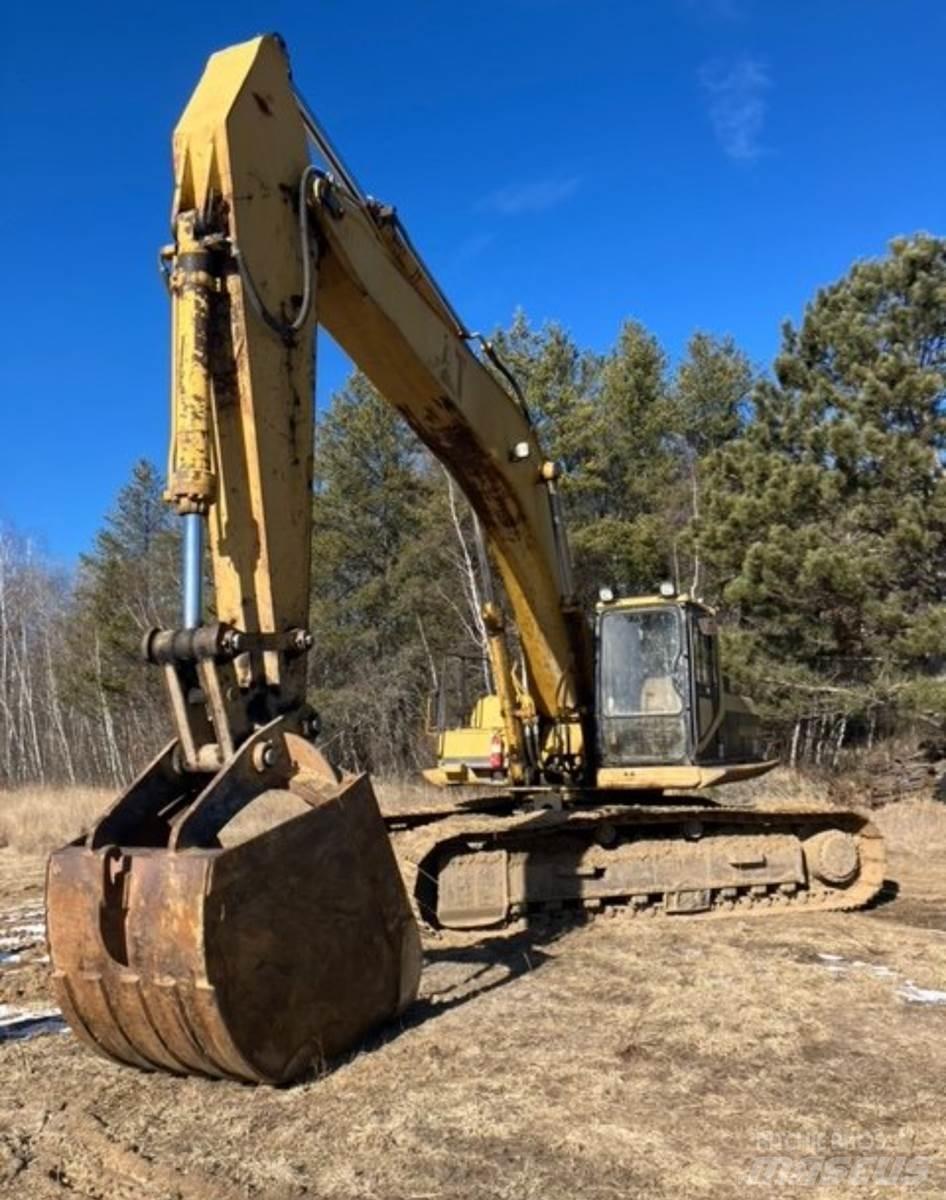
[(193, 569)]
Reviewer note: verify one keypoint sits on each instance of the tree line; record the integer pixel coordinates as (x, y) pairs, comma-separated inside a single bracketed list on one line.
[(805, 501)]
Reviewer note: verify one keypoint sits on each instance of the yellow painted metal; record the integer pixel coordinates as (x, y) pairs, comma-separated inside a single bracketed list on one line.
[(654, 600), (669, 778), (449, 775), (378, 308), (564, 739), (509, 712), (463, 752), (239, 153)]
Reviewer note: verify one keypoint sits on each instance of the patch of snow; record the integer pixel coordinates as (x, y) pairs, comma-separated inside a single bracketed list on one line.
[(918, 995), (908, 990), (20, 1024), (25, 915), (15, 938), (21, 930)]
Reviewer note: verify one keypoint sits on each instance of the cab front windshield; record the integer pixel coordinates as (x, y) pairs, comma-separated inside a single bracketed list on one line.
[(641, 664)]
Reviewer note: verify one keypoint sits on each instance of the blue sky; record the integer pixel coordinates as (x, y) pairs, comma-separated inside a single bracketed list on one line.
[(691, 163)]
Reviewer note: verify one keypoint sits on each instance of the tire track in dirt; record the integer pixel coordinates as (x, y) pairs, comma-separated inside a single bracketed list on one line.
[(75, 1154)]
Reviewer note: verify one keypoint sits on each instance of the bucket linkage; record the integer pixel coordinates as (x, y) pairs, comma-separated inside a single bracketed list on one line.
[(249, 961)]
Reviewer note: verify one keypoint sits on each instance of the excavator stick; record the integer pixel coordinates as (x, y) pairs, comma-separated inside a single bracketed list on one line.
[(247, 962)]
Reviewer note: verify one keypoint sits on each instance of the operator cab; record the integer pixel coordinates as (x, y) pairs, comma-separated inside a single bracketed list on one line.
[(660, 696), (663, 717)]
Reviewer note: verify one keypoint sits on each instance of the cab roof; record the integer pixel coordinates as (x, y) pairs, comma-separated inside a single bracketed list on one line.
[(652, 600)]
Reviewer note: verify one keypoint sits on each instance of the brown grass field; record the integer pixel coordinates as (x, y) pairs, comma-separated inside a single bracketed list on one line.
[(646, 1059)]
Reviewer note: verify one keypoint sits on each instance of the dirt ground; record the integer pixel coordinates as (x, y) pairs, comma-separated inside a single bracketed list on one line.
[(784, 1056)]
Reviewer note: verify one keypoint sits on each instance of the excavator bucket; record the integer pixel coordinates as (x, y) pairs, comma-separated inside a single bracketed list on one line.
[(250, 962)]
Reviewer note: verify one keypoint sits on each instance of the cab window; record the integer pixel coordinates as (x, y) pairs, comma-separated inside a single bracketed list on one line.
[(640, 664)]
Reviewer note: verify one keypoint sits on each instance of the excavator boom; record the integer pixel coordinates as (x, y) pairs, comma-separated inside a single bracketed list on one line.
[(373, 301)]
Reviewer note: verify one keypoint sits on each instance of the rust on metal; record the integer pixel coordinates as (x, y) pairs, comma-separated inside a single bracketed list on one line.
[(248, 962)]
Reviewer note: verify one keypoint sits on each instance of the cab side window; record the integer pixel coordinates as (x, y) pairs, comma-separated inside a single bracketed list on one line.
[(705, 672)]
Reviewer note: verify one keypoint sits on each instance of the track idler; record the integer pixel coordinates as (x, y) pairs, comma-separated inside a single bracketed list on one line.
[(248, 962)]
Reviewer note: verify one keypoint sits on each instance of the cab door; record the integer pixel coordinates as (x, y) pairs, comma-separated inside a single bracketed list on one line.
[(704, 656)]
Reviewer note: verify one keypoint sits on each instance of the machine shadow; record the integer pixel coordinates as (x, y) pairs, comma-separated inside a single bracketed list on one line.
[(486, 965), (886, 895)]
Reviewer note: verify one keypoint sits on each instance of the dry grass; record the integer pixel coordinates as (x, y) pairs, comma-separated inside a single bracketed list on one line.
[(623, 1060), (915, 826), (614, 1062), (780, 788), (35, 820)]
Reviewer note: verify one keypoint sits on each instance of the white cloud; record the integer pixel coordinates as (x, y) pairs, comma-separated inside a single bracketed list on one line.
[(737, 104), (533, 197)]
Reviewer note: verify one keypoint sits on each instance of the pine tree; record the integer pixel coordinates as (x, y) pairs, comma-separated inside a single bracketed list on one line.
[(825, 524), (624, 489), (128, 583), (711, 388), (612, 421), (559, 382), (380, 591)]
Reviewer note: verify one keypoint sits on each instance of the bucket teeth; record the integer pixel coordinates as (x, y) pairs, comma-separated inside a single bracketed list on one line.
[(248, 962)]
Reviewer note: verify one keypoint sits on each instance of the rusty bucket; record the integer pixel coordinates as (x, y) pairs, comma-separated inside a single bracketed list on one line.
[(248, 962)]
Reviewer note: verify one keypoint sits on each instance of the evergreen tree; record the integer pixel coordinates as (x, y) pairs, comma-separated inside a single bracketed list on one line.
[(128, 583), (624, 490), (826, 523), (612, 421), (379, 597), (712, 390), (559, 382)]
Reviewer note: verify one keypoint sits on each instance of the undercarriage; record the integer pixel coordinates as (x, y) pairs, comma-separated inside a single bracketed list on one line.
[(687, 857)]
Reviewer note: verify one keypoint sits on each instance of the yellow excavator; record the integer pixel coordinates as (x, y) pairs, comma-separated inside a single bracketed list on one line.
[(173, 948)]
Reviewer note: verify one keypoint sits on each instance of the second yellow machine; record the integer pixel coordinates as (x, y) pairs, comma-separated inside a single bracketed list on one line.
[(250, 961)]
